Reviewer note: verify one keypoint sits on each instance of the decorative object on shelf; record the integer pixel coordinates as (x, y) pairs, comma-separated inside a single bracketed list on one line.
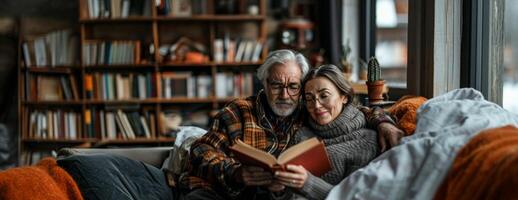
[(344, 60), (253, 8), (184, 50), (374, 83), (296, 33)]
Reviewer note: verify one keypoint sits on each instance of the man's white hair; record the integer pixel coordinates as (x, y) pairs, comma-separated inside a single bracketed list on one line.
[(282, 56)]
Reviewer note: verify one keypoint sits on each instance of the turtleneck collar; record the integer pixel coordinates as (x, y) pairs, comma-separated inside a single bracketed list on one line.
[(349, 120)]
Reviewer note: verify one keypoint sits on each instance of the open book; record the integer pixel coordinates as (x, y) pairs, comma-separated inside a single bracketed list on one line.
[(310, 153)]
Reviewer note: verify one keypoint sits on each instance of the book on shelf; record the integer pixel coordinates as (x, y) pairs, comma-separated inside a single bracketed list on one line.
[(240, 50), (111, 52), (230, 84), (311, 154), (117, 8), (56, 48), (199, 7), (176, 84), (53, 88), (54, 124), (120, 122), (118, 86), (185, 84)]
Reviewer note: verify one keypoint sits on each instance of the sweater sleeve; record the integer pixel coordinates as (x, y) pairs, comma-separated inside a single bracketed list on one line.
[(316, 188), (375, 116)]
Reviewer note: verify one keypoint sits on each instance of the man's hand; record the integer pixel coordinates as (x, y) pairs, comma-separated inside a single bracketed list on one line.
[(275, 186), (253, 176), (388, 133)]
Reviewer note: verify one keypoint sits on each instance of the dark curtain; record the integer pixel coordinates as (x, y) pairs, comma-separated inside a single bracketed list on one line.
[(330, 29), (8, 101)]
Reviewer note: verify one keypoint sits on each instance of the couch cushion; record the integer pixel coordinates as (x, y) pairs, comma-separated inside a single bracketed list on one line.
[(105, 176)]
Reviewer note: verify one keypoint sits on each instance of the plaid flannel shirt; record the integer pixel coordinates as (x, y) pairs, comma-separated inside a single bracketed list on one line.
[(212, 166)]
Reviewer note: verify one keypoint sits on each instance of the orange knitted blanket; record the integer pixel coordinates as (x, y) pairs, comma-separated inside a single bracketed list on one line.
[(485, 168), (45, 180), (405, 112)]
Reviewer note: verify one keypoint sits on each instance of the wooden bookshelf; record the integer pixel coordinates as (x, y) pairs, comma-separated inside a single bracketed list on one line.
[(139, 42)]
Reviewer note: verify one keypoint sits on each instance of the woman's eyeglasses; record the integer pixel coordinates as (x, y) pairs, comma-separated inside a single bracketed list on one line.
[(323, 99)]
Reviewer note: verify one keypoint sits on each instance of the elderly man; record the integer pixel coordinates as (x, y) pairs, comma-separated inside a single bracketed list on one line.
[(267, 121)]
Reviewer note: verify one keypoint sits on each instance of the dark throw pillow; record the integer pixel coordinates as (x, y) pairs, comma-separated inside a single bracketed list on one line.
[(106, 176)]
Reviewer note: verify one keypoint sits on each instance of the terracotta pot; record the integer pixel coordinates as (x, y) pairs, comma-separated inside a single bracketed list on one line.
[(375, 91)]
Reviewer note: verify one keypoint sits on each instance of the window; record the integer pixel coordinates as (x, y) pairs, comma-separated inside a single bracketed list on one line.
[(391, 40), (510, 62)]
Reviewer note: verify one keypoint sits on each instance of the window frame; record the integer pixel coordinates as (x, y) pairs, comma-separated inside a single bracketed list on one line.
[(482, 49)]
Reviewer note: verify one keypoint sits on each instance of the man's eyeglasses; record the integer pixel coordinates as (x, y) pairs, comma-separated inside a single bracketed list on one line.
[(277, 87), (323, 99)]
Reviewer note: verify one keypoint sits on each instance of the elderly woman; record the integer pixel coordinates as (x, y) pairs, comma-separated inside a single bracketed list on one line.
[(339, 124)]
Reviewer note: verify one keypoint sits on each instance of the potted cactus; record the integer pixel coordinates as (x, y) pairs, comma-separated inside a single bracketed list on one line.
[(374, 83)]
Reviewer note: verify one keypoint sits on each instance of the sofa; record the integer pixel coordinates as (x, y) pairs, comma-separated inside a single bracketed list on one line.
[(423, 165), (154, 156)]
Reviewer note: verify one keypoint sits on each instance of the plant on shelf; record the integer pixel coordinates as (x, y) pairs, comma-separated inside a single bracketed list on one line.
[(375, 85), (363, 70), (344, 60)]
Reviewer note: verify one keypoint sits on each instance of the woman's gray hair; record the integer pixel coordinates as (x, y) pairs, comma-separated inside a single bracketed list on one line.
[(333, 74), (282, 56)]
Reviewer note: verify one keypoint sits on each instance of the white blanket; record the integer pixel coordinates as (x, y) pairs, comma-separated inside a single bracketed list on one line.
[(415, 168)]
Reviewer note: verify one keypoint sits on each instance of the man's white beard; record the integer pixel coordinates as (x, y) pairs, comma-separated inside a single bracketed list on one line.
[(282, 112)]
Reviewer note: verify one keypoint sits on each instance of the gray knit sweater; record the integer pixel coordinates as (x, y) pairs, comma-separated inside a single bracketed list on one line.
[(349, 144)]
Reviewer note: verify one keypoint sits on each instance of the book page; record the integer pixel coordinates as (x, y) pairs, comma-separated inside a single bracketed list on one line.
[(251, 155)]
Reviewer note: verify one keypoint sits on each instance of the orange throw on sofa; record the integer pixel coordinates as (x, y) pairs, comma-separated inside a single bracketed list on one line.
[(45, 180), (485, 168), (405, 111)]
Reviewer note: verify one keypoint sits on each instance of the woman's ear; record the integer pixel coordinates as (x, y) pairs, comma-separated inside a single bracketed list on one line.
[(345, 100)]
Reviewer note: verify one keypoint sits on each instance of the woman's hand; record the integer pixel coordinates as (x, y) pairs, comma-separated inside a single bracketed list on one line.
[(294, 177)]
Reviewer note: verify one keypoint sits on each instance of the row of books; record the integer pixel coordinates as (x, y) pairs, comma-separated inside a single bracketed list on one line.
[(110, 123), (182, 8), (118, 124), (56, 48), (227, 50), (54, 124), (118, 8), (119, 86), (111, 52), (230, 84), (34, 156), (52, 87), (124, 86), (185, 84)]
